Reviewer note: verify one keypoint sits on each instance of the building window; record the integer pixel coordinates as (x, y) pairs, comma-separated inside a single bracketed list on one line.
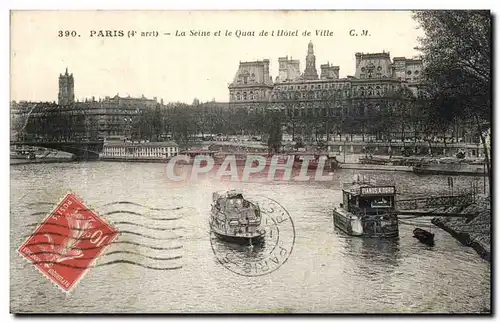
[(238, 96), (409, 72), (361, 110)]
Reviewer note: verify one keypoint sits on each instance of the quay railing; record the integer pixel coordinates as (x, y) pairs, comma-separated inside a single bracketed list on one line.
[(436, 202)]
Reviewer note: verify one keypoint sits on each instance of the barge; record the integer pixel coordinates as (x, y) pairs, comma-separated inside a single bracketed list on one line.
[(451, 169), (368, 211)]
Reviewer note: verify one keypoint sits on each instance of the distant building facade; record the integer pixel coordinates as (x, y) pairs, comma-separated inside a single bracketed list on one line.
[(252, 82), (376, 79), (116, 147), (89, 119), (115, 115)]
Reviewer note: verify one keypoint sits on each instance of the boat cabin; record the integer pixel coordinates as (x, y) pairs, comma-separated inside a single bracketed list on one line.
[(236, 207), (369, 200)]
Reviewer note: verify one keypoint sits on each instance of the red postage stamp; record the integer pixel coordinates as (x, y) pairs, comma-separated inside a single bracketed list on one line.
[(67, 243)]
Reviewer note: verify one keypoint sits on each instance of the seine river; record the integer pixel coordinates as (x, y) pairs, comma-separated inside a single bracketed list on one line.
[(326, 271)]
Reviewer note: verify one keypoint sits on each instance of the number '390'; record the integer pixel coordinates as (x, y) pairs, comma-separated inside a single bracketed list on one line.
[(67, 33)]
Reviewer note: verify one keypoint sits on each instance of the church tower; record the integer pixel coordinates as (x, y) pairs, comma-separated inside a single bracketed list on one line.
[(66, 89), (310, 72)]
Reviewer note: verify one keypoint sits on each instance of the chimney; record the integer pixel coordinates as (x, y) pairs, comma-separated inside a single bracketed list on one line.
[(336, 72), (266, 70), (358, 59)]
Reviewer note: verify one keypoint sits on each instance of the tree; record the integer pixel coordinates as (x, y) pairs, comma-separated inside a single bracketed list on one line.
[(182, 122), (273, 126), (456, 52)]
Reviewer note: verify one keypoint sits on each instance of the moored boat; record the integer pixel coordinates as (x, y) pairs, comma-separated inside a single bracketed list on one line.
[(29, 155), (313, 160), (235, 219), (424, 236), (373, 160), (368, 211), (450, 169), (201, 154)]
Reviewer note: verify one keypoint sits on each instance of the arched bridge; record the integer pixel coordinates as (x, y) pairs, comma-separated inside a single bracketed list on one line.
[(81, 149)]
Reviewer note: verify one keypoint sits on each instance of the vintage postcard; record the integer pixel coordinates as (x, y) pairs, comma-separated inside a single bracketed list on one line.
[(250, 162)]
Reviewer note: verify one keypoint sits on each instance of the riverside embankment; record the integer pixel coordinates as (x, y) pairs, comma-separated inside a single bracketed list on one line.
[(45, 157), (474, 231)]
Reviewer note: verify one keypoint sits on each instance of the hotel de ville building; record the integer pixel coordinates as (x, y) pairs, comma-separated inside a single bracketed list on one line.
[(377, 81)]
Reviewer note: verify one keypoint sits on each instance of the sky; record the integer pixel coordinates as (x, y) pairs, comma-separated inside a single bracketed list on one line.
[(181, 68)]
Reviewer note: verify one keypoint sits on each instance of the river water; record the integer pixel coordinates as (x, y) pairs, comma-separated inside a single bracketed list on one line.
[(327, 271)]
